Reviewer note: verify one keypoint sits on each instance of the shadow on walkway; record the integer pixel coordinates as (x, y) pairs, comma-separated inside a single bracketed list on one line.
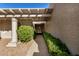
[(43, 51)]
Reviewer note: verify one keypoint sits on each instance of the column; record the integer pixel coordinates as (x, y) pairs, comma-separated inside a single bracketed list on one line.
[(13, 41)]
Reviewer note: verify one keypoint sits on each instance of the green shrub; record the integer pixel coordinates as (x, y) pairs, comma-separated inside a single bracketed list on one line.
[(25, 33), (55, 46), (34, 35)]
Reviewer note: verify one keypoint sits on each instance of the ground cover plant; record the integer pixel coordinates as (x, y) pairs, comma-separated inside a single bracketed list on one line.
[(55, 46)]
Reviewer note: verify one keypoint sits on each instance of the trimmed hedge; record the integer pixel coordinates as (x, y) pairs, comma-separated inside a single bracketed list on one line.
[(25, 33), (55, 46)]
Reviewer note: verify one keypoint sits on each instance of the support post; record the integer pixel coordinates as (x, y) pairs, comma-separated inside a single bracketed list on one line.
[(13, 41)]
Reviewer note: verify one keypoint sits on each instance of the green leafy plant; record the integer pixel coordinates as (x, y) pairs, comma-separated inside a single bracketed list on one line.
[(25, 33), (55, 46), (34, 35)]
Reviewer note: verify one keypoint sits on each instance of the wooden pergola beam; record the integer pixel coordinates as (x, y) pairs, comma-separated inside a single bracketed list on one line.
[(25, 11), (2, 11), (26, 15)]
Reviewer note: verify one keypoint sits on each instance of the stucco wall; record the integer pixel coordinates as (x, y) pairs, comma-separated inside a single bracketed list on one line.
[(51, 5), (25, 21), (5, 34), (5, 28), (64, 24)]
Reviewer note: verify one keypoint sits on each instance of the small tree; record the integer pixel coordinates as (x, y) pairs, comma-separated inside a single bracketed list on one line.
[(25, 33)]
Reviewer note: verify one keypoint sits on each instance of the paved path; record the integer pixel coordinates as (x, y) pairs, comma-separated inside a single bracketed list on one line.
[(22, 49), (43, 51)]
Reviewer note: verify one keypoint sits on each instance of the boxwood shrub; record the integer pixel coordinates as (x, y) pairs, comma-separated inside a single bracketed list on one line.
[(55, 46), (25, 33)]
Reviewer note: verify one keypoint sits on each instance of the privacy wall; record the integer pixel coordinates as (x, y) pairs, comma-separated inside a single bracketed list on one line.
[(64, 24)]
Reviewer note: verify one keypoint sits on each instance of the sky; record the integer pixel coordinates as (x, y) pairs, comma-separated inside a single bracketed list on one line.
[(23, 5)]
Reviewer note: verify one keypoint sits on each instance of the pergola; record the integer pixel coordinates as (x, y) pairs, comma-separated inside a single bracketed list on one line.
[(15, 13)]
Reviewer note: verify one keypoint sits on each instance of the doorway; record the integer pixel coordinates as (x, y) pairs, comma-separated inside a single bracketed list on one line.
[(39, 27)]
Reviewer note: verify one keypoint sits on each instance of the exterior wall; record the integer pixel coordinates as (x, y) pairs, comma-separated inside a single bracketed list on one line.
[(24, 21), (5, 29), (51, 5), (5, 34), (64, 24)]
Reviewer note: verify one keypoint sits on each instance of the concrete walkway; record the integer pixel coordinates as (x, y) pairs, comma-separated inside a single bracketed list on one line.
[(22, 49), (43, 51)]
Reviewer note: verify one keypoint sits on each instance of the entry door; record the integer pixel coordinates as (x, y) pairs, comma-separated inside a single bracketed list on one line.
[(39, 28)]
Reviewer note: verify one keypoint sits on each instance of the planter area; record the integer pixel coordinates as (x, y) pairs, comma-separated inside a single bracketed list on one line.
[(55, 46)]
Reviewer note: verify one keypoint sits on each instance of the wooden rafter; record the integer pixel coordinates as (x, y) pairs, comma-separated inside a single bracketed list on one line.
[(28, 12)]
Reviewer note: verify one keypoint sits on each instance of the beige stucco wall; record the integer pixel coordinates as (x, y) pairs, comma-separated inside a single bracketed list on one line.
[(25, 21), (51, 5), (5, 28), (64, 24), (5, 34)]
